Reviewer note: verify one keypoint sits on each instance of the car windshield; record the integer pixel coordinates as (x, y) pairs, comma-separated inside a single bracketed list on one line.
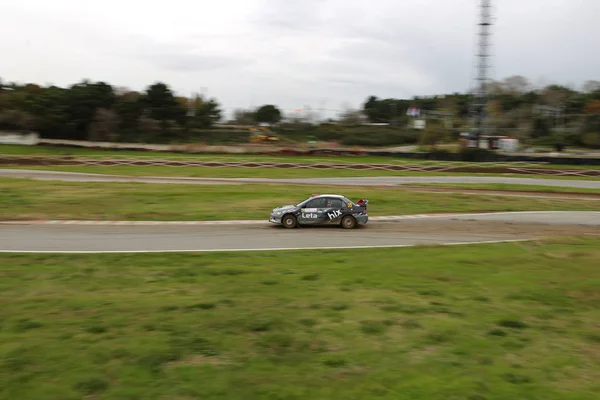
[(303, 201)]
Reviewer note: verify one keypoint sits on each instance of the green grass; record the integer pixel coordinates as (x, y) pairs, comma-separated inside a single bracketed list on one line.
[(488, 322), (272, 173), (53, 150), (26, 199)]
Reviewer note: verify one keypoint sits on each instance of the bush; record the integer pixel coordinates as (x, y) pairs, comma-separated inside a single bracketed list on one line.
[(440, 154), (380, 138), (591, 140), (357, 135), (591, 123), (559, 139), (476, 154)]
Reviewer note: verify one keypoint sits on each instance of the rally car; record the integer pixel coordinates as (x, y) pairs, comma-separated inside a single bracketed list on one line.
[(324, 209)]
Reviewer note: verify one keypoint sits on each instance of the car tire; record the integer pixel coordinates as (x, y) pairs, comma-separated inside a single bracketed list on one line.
[(348, 222), (289, 221)]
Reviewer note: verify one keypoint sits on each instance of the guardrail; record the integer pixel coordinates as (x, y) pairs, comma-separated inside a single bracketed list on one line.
[(525, 168)]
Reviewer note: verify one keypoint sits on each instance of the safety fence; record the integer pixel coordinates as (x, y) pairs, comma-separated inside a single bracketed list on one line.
[(525, 168)]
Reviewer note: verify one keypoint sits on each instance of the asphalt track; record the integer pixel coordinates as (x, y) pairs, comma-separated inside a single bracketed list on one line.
[(420, 230), (402, 231), (354, 181)]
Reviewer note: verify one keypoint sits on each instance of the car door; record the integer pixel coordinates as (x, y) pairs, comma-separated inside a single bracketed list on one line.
[(313, 211), (334, 210)]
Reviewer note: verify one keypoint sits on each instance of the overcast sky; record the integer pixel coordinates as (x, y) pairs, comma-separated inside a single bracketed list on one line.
[(322, 53)]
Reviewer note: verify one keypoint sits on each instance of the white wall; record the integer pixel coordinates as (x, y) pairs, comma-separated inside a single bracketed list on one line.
[(28, 139)]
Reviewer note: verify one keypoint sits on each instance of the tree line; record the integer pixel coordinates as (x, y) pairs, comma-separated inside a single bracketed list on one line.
[(100, 112), (553, 114)]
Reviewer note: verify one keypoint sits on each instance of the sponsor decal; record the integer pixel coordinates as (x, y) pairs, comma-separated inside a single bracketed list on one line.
[(309, 215), (309, 210), (334, 214), (349, 205)]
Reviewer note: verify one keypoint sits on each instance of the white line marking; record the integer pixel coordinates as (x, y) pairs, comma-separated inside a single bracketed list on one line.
[(265, 249)]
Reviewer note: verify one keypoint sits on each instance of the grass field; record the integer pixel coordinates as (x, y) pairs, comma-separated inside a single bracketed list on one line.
[(487, 322), (26, 199), (271, 173), (53, 150)]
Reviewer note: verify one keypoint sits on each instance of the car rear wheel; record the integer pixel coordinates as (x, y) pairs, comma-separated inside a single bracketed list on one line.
[(289, 221), (348, 222)]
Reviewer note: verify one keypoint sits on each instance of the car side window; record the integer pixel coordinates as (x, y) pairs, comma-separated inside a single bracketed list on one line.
[(335, 203), (316, 203), (347, 202)]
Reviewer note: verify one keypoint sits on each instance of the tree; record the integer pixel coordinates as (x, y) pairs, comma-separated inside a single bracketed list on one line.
[(373, 110), (129, 108), (104, 126), (243, 117), (462, 105), (204, 113), (148, 126), (211, 112), (268, 113), (99, 111), (593, 107), (51, 110), (541, 128), (576, 103), (432, 135), (351, 116), (591, 124), (160, 104), (555, 95), (82, 101), (394, 110), (95, 110), (493, 88), (495, 108), (16, 120), (516, 85)]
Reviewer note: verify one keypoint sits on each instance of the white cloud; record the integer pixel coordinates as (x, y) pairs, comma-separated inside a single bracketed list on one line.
[(294, 53)]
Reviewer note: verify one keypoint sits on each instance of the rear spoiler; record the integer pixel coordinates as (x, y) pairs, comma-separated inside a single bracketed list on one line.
[(363, 202)]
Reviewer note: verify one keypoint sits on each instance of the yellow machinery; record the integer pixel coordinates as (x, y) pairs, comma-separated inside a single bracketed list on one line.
[(262, 134)]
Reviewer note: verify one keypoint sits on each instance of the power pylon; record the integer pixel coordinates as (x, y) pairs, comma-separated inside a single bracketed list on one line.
[(482, 81)]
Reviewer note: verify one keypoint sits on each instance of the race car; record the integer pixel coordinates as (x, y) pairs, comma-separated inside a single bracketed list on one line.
[(323, 209)]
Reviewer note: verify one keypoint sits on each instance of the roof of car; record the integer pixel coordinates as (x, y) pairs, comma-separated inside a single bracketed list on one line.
[(329, 195)]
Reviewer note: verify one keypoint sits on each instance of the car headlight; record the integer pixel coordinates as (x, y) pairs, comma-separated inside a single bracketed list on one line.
[(278, 213)]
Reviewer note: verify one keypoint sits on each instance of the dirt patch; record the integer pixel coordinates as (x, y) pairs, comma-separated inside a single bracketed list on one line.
[(70, 161)]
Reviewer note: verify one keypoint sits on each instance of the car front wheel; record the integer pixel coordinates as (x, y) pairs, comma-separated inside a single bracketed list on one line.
[(289, 221), (348, 222)]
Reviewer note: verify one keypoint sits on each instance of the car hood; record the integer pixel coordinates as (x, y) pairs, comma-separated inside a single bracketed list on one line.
[(283, 208)]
